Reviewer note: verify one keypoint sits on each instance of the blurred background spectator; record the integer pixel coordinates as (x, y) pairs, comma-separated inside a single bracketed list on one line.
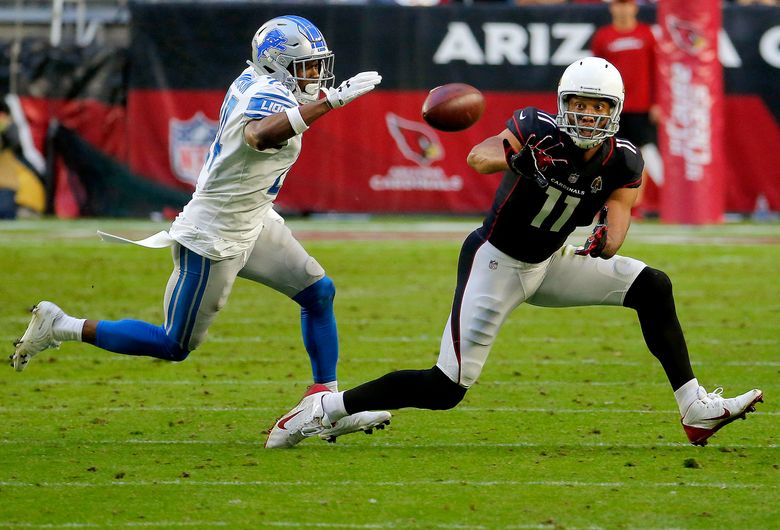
[(630, 45), (9, 182), (21, 191)]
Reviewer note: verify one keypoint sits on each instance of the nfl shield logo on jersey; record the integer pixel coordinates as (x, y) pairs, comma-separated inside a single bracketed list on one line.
[(493, 265), (573, 177), (189, 142)]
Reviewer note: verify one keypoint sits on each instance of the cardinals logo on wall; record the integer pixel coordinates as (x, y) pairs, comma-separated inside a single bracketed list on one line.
[(419, 143), (416, 141), (687, 36), (189, 142)]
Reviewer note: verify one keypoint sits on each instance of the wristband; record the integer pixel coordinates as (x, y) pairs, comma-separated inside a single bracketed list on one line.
[(296, 120)]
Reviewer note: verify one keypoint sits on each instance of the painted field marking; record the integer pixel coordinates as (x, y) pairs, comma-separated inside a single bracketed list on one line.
[(296, 524), (513, 410), (387, 445), (390, 483), (520, 360), (236, 382), (128, 524)]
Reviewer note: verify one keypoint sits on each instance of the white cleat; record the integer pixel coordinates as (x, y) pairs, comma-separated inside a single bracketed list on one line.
[(306, 419), (711, 412), (360, 421), (38, 336)]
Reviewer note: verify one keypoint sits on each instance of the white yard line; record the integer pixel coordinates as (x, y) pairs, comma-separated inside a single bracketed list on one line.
[(208, 357), (382, 445), (80, 234), (513, 410), (128, 524), (298, 524), (536, 340), (392, 484), (235, 382), (434, 339)]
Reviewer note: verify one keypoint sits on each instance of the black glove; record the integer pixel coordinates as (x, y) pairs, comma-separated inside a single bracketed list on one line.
[(595, 244), (533, 159)]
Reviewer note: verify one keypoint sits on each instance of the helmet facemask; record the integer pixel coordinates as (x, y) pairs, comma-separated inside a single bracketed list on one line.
[(284, 46), (311, 85), (585, 135)]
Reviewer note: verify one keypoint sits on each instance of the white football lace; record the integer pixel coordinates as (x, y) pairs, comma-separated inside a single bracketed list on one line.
[(712, 399)]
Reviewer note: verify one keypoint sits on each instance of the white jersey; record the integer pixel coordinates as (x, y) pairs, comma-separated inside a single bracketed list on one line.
[(237, 184)]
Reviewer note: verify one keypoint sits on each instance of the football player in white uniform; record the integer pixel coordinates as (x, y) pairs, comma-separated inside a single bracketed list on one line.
[(229, 228), (559, 173)]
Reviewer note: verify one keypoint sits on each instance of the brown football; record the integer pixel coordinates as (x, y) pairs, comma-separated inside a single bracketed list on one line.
[(453, 107)]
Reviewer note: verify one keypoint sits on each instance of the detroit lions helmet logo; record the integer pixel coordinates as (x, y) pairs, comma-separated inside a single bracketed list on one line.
[(275, 39)]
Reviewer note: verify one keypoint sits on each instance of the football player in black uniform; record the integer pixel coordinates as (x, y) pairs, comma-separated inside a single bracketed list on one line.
[(560, 172)]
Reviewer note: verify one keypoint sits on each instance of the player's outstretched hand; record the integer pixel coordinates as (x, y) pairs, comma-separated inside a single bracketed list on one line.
[(595, 244), (532, 159), (352, 88), (523, 163)]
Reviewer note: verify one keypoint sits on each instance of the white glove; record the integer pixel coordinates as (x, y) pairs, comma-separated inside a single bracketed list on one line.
[(352, 88)]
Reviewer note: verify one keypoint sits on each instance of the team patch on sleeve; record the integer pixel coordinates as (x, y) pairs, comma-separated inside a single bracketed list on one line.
[(262, 105)]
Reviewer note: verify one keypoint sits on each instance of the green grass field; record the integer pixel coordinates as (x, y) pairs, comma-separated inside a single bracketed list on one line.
[(572, 424)]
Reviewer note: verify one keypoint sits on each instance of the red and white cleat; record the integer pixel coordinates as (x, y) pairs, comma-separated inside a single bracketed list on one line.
[(303, 421), (711, 412)]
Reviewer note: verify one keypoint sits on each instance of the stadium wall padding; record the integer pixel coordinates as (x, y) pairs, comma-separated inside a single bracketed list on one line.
[(158, 110)]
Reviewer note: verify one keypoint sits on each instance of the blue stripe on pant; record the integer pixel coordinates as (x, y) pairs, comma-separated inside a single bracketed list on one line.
[(187, 296), (169, 342)]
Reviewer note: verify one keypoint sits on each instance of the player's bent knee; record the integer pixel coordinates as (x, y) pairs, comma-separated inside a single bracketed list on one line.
[(318, 295), (651, 288), (179, 354), (443, 392), (325, 288), (175, 352)]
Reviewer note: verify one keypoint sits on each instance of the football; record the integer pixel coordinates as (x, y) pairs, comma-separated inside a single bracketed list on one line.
[(453, 107)]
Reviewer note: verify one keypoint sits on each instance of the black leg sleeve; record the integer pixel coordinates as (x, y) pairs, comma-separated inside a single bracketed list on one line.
[(422, 389), (651, 296)]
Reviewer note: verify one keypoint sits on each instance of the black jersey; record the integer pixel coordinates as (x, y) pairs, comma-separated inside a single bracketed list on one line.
[(530, 223)]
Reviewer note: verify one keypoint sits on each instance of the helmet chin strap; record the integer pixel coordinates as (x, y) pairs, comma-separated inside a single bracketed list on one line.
[(585, 144), (309, 93), (255, 68)]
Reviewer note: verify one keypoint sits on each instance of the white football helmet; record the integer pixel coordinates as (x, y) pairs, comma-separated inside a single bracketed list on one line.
[(591, 77), (282, 47)]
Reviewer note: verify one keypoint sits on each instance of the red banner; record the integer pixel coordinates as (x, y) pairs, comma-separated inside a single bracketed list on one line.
[(691, 96), (374, 155)]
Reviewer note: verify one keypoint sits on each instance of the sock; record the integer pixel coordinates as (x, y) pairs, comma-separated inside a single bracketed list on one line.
[(651, 296), (333, 386), (423, 389), (67, 328), (333, 405), (687, 394), (318, 326), (135, 337)]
